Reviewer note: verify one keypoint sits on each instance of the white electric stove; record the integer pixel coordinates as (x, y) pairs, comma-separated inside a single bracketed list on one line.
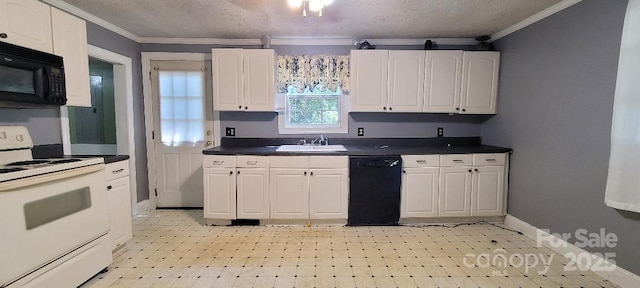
[(54, 216)]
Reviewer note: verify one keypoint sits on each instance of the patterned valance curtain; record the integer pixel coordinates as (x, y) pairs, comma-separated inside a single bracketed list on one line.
[(313, 72)]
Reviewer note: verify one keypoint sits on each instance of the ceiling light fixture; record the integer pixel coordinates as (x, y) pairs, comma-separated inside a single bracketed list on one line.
[(312, 5)]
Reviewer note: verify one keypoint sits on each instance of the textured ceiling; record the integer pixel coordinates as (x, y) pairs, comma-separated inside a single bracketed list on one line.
[(245, 19)]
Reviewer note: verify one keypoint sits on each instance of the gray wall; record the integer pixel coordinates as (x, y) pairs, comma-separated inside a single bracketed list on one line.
[(376, 125), (108, 40), (43, 124), (557, 85)]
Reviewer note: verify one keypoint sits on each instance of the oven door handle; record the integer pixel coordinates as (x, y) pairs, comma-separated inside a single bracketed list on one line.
[(38, 179)]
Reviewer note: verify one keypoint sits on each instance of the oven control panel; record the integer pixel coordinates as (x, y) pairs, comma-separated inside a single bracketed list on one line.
[(14, 137)]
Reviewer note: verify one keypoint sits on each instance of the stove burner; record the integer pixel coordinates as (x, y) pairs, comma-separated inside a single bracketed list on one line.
[(30, 162), (61, 161), (9, 170)]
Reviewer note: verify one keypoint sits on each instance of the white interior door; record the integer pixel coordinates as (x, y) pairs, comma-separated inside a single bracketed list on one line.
[(183, 127)]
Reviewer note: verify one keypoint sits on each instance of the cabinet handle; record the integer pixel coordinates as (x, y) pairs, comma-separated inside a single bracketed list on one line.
[(464, 110), (238, 173), (109, 187), (457, 109), (404, 171), (305, 172), (117, 171), (421, 161), (311, 173), (230, 172), (390, 108), (475, 170), (458, 161), (3, 35), (217, 162), (491, 160), (245, 107), (384, 108), (240, 107), (470, 171), (252, 162)]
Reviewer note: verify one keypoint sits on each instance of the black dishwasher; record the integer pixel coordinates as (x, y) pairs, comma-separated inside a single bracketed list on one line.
[(374, 190)]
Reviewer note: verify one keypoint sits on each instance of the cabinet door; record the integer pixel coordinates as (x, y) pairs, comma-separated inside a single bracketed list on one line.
[(455, 191), (369, 80), (487, 191), (419, 192), (118, 191), (406, 81), (442, 81), (27, 23), (226, 71), (70, 42), (220, 193), (479, 82), (289, 192), (253, 193), (259, 83), (328, 193)]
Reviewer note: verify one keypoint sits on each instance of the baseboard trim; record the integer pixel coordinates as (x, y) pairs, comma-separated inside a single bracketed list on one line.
[(618, 275), (142, 208)]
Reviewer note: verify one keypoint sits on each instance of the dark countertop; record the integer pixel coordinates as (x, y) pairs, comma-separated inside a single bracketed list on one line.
[(366, 147), (114, 158)]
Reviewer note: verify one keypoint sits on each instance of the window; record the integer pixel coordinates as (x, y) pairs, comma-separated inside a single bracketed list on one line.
[(181, 109), (316, 111)]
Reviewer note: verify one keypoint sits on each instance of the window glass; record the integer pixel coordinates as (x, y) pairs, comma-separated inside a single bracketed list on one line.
[(181, 111)]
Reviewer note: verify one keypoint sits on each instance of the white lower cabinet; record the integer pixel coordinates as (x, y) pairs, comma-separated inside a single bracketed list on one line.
[(420, 186), (456, 185), (252, 193), (314, 187), (220, 193), (219, 182), (328, 193), (119, 195), (289, 193), (488, 185)]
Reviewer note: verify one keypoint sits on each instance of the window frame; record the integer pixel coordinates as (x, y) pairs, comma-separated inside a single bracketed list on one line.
[(343, 114)]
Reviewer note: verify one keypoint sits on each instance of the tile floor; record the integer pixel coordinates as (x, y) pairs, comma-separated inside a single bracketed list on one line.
[(172, 248)]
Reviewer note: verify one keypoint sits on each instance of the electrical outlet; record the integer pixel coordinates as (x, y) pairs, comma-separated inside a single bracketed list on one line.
[(360, 131), (440, 131), (231, 131)]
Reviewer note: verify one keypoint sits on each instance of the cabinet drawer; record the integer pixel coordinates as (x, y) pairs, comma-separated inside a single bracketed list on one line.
[(497, 159), (116, 170), (252, 161), (328, 162), (289, 161), (453, 160), (218, 161), (420, 161)]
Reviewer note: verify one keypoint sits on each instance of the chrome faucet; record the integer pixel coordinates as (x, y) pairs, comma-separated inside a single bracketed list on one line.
[(321, 140)]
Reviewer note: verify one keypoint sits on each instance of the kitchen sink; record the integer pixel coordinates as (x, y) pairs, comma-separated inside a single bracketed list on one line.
[(311, 148)]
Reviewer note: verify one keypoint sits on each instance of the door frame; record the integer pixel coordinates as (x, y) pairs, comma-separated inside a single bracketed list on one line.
[(123, 98), (147, 57)]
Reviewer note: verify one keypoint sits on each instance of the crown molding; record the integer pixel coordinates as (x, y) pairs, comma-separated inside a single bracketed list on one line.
[(206, 41), (92, 18), (535, 18)]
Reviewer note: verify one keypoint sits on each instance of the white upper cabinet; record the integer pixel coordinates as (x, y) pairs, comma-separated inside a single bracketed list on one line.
[(259, 81), (443, 79), (369, 80), (70, 42), (479, 82), (243, 80), (227, 78), (26, 23), (406, 81)]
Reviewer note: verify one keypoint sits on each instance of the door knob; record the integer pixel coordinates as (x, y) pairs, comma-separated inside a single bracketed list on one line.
[(207, 144), (208, 132)]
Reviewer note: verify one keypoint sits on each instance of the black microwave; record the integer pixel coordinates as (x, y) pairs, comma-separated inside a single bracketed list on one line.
[(30, 76)]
